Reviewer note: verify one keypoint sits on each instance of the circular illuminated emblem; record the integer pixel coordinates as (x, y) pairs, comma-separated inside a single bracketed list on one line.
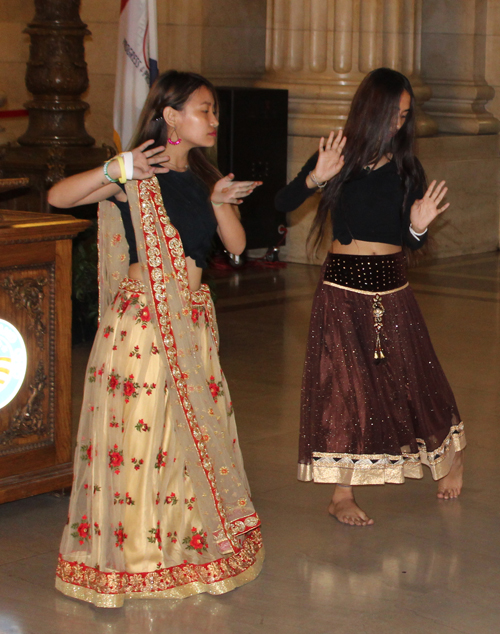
[(13, 361)]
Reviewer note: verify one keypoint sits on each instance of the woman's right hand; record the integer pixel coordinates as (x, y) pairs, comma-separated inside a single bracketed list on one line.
[(146, 162), (93, 187), (330, 158)]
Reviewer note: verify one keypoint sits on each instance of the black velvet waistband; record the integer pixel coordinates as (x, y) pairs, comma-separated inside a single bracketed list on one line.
[(372, 273)]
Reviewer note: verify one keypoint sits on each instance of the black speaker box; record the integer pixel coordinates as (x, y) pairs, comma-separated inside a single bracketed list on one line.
[(252, 144)]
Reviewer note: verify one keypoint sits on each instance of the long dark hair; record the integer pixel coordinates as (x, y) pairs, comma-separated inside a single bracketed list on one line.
[(369, 131), (173, 89)]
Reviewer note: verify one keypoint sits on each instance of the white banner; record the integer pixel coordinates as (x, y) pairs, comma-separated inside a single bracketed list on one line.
[(137, 65)]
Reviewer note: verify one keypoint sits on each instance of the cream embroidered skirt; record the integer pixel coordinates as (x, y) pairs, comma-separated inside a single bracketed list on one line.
[(134, 528)]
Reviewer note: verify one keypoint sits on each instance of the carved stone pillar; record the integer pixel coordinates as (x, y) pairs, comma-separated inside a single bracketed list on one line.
[(56, 143), (320, 50), (455, 60), (56, 75)]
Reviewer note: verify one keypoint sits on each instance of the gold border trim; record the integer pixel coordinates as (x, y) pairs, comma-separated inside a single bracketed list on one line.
[(188, 590), (360, 469), (355, 290)]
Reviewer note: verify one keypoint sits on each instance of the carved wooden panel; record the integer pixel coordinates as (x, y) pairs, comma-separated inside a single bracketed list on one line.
[(27, 422), (35, 300)]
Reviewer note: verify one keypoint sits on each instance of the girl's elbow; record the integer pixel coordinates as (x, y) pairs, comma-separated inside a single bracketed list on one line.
[(240, 249), (52, 198)]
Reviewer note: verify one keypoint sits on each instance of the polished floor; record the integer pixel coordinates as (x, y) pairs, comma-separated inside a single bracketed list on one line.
[(426, 566)]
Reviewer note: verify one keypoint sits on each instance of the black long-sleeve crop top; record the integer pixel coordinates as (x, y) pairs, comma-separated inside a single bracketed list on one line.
[(187, 203), (370, 206)]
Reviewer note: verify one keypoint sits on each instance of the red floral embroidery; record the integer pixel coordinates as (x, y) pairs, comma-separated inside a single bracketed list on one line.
[(149, 388), (215, 388), (97, 530), (120, 535), (86, 452), (195, 315), (92, 372), (81, 530), (107, 331), (155, 536), (130, 388), (119, 499), (141, 426), (137, 463), (123, 334), (154, 349), (143, 316), (172, 537), (196, 541), (160, 459), (113, 382), (135, 352), (171, 499), (115, 458), (189, 503)]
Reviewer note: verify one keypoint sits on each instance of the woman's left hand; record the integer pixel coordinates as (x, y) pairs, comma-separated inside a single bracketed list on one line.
[(226, 190), (424, 211)]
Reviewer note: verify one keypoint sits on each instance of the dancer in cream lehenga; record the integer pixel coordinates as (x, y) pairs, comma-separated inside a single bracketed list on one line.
[(160, 505)]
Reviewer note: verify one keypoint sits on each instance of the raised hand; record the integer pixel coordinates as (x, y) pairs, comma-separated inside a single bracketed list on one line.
[(148, 162), (227, 190), (330, 159), (424, 211)]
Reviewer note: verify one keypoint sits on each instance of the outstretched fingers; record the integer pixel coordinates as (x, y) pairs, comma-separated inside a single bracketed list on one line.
[(436, 193)]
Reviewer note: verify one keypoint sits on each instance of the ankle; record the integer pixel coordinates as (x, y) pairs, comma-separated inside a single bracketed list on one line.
[(342, 492)]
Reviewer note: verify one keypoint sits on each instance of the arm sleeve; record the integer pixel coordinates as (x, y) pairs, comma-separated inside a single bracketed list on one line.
[(296, 192), (408, 239)]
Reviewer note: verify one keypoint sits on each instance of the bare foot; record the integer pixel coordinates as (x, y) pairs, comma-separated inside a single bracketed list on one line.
[(450, 486), (344, 508)]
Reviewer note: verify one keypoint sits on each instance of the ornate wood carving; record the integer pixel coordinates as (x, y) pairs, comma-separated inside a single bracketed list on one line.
[(56, 76), (27, 293), (29, 420), (56, 143)]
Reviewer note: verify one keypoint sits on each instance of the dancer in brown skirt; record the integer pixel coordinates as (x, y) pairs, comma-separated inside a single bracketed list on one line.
[(376, 404)]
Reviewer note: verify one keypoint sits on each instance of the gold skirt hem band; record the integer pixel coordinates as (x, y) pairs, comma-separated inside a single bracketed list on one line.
[(109, 590), (361, 469)]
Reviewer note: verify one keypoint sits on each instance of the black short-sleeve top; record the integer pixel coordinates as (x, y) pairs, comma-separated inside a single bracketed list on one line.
[(187, 203), (370, 206)]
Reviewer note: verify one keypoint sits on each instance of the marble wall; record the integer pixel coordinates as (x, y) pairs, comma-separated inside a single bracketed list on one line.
[(449, 47)]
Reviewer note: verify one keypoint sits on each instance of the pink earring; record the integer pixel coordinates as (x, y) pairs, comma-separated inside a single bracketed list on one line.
[(177, 141)]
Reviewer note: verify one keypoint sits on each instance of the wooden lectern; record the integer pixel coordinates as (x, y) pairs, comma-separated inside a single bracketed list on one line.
[(35, 352)]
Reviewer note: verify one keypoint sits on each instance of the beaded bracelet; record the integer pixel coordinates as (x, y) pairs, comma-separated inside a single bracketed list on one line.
[(316, 182), (105, 167)]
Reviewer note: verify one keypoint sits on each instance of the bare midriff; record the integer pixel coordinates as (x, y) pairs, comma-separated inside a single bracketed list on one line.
[(194, 273), (360, 247)]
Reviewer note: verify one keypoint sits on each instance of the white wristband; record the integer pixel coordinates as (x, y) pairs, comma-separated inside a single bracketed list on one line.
[(128, 159), (416, 235)]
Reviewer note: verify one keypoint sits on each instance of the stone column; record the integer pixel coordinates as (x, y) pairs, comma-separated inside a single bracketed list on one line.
[(455, 60), (56, 143), (320, 50)]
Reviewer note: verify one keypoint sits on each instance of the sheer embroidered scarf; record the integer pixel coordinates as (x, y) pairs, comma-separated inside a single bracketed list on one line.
[(200, 423)]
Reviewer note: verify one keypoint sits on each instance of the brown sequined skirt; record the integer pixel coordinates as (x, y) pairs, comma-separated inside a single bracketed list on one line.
[(376, 404)]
